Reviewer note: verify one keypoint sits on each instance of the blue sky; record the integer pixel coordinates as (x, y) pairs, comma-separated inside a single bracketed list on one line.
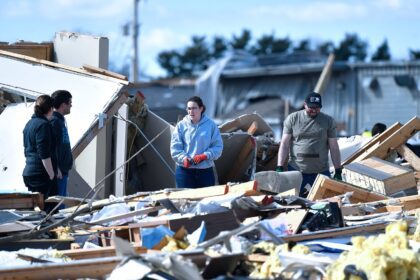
[(169, 24)]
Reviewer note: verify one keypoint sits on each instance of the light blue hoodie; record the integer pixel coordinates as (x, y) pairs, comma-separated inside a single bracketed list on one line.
[(190, 139)]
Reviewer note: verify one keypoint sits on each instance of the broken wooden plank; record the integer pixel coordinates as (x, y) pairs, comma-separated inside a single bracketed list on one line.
[(379, 175), (409, 156), (376, 140), (105, 72), (394, 141), (325, 187)]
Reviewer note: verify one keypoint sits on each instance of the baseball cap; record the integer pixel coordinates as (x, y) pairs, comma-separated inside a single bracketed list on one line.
[(314, 100)]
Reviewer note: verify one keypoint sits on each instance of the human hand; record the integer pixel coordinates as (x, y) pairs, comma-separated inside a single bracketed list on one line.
[(279, 168), (337, 174), (187, 162), (199, 158)]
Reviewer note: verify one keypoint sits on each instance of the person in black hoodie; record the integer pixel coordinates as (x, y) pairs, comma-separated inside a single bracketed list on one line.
[(39, 174), (62, 105)]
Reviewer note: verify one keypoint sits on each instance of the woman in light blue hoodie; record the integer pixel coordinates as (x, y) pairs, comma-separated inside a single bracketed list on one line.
[(195, 144)]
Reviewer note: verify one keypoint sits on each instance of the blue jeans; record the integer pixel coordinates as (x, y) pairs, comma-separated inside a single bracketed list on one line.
[(62, 188), (308, 178), (194, 178)]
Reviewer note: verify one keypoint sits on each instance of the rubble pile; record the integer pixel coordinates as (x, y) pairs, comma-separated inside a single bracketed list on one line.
[(253, 230)]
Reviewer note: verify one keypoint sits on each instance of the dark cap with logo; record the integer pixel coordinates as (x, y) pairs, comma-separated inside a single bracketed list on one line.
[(314, 100)]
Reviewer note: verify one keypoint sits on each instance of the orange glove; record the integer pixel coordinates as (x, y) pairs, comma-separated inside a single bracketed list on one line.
[(187, 162), (199, 158)]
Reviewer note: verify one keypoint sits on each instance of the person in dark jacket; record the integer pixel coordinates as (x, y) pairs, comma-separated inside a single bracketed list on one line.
[(39, 146), (62, 105)]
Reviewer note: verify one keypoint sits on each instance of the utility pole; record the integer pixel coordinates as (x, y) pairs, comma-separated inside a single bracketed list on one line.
[(135, 42)]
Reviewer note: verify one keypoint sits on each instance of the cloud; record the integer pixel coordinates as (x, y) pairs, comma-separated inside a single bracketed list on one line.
[(163, 38), (67, 9), (313, 11)]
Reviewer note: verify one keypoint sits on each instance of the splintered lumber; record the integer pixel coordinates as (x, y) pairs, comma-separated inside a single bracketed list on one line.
[(80, 254), (394, 141), (372, 143), (410, 157), (21, 200), (325, 187), (379, 175), (91, 268)]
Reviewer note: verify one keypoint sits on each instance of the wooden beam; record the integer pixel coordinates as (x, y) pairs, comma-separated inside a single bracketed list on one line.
[(394, 141), (325, 75), (372, 142), (409, 156), (325, 187), (93, 69), (94, 129)]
